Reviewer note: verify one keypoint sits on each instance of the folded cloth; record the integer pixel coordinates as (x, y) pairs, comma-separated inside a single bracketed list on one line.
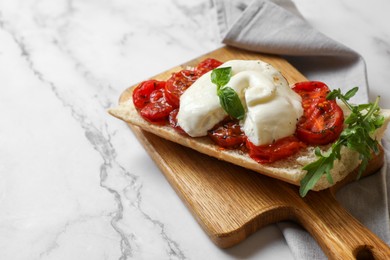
[(277, 27)]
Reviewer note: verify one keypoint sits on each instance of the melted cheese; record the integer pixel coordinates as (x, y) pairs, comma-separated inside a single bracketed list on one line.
[(272, 108)]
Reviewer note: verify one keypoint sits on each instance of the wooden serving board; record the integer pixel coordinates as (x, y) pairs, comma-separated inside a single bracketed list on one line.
[(231, 203)]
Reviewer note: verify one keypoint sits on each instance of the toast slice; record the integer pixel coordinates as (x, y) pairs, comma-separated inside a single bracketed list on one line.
[(288, 170)]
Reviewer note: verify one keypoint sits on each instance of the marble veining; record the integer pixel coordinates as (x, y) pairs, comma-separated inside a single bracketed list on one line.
[(74, 182)]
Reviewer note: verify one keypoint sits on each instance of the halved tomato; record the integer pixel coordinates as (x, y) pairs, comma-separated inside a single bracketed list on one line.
[(207, 65), (141, 93), (180, 81), (177, 84), (280, 149), (311, 90), (322, 120), (173, 121), (158, 109), (228, 135)]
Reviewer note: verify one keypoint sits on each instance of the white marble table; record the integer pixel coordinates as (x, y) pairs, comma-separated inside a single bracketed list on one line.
[(74, 182)]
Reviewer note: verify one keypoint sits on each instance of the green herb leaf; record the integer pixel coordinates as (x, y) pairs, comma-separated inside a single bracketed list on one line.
[(231, 103), (350, 93), (361, 123), (316, 169), (221, 76), (228, 98), (333, 94)]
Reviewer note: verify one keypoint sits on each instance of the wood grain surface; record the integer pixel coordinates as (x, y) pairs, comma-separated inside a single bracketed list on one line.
[(231, 203)]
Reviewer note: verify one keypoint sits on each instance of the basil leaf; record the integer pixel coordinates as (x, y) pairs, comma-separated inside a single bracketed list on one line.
[(231, 103), (228, 98), (221, 76)]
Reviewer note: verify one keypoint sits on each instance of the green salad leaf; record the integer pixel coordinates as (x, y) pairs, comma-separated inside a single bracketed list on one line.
[(361, 123)]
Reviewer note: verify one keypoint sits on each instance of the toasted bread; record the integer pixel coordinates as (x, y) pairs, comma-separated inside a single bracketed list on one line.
[(288, 170)]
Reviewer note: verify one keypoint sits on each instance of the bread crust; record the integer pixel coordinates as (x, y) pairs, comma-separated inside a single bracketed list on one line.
[(288, 170)]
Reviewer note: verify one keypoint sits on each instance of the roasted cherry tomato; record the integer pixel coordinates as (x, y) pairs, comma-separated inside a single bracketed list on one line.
[(322, 120), (173, 121), (157, 95), (311, 91), (141, 94), (177, 84), (322, 125), (228, 135), (280, 149), (158, 109), (207, 65)]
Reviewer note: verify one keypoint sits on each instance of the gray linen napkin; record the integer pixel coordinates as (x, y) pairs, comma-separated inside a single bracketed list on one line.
[(277, 27)]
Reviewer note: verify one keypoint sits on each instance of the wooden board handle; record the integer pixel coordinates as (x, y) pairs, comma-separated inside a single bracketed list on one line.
[(338, 233)]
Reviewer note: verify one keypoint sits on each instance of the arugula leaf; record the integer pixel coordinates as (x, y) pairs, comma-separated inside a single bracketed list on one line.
[(351, 93), (361, 123), (228, 98)]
